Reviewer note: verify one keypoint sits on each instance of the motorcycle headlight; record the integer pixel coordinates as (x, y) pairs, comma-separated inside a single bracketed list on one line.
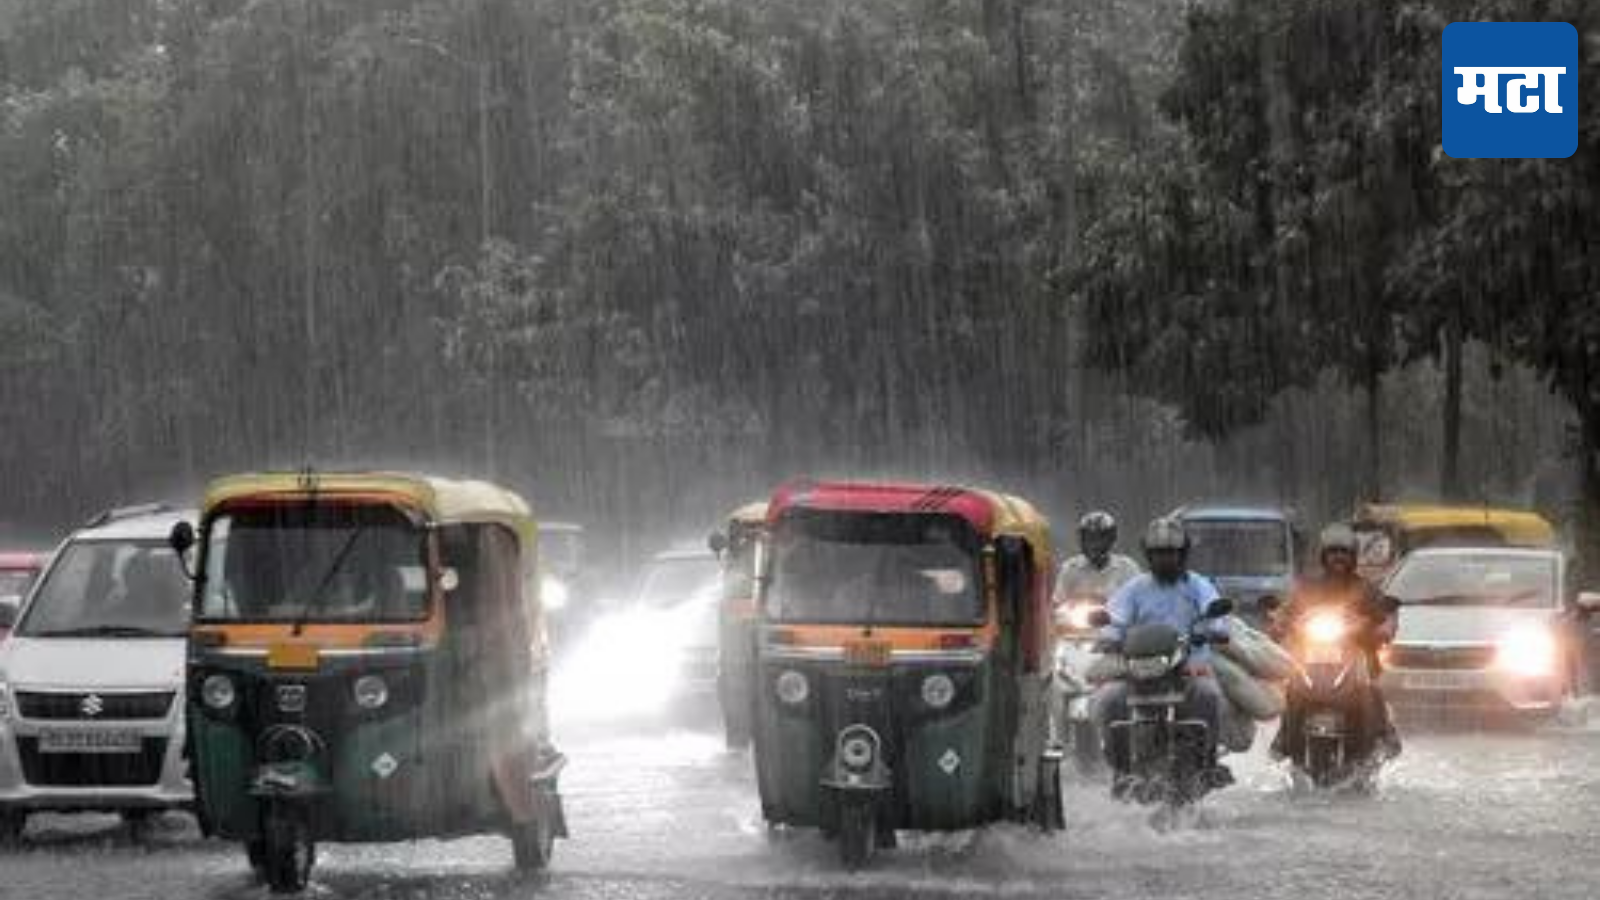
[(217, 692), (793, 688), (371, 692), (1078, 615), (1326, 628), (1144, 668), (1529, 652), (938, 690)]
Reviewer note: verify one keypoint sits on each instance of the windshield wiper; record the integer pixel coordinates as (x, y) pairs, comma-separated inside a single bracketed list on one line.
[(105, 631), (315, 599)]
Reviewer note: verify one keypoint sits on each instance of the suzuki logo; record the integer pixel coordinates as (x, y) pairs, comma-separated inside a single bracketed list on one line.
[(92, 705)]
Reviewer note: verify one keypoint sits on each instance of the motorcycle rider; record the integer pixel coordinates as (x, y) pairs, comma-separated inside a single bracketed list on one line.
[(1340, 588), (1097, 570), (1171, 594)]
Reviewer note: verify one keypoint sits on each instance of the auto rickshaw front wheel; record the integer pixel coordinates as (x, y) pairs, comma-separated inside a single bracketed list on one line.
[(286, 850), (533, 843), (858, 832)]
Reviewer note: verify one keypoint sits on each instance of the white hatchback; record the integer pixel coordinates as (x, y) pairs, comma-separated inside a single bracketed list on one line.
[(91, 680)]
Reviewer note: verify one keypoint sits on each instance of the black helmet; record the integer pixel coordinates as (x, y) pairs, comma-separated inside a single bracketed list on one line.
[(1097, 535)]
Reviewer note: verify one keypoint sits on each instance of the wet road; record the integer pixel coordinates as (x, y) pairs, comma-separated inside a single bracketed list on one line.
[(672, 814)]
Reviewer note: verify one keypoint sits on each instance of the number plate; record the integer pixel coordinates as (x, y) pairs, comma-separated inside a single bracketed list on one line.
[(872, 654), (1435, 681), (89, 742)]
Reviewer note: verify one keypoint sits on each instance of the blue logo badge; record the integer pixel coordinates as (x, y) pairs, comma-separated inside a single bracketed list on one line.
[(1510, 90)]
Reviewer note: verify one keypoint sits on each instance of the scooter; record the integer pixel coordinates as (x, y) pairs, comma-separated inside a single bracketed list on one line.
[(1073, 728), (1328, 697), (1168, 758)]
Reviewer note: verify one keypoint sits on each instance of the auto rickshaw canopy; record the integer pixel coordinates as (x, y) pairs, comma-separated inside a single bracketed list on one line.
[(441, 501), (1411, 522), (991, 513)]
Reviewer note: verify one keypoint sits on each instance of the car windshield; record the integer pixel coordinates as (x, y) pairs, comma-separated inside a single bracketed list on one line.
[(870, 568), (1476, 580), (322, 563), (1223, 548), (111, 589), (668, 582)]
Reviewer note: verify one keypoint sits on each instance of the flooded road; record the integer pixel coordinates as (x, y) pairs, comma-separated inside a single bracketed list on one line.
[(672, 814)]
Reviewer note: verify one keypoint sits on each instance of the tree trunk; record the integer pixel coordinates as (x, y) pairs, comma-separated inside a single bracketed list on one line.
[(1450, 464), (1586, 542)]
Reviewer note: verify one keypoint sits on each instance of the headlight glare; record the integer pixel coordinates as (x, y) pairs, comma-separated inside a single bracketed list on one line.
[(371, 692), (217, 692), (1326, 628), (938, 690), (1529, 652), (553, 593)]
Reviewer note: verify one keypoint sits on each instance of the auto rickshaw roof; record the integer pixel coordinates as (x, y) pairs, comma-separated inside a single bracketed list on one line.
[(1516, 525), (989, 512), (441, 500)]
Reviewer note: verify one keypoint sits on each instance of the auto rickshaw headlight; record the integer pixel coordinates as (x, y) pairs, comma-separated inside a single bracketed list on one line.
[(857, 752), (217, 692), (793, 688), (938, 690), (371, 692)]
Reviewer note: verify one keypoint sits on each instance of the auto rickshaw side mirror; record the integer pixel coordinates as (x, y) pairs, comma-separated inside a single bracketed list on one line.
[(1219, 608), (1588, 602), (1099, 618), (718, 542), (1269, 604), (10, 607), (182, 539)]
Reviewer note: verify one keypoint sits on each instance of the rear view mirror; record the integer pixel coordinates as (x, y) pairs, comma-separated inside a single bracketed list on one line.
[(10, 607), (1589, 601), (1099, 618), (1270, 603), (1220, 607), (718, 542), (182, 539)]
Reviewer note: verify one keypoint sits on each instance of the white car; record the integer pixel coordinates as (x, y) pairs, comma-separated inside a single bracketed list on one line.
[(91, 680), (1482, 630)]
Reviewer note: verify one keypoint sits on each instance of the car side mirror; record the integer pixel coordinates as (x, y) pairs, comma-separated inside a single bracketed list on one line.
[(1588, 602), (718, 542), (1219, 608), (10, 607), (1099, 618), (182, 539)]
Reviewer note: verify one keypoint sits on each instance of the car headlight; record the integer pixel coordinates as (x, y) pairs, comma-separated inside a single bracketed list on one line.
[(1326, 628), (1529, 652), (370, 692), (217, 692), (938, 690), (1144, 668), (554, 594), (793, 688)]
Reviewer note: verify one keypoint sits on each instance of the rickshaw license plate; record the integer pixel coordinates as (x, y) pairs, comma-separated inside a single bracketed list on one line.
[(89, 742), (874, 654)]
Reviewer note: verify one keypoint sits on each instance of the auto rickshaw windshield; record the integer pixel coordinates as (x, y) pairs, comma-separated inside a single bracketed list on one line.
[(327, 562), (875, 568)]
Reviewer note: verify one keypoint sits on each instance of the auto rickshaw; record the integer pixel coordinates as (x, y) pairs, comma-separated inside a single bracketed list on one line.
[(1388, 532), (367, 663), (904, 662), (736, 620)]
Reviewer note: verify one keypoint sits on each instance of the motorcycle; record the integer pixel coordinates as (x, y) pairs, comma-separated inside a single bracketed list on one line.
[(1168, 758), (1328, 698), (1072, 725)]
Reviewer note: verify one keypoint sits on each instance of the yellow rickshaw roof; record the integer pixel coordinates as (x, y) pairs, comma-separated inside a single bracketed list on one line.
[(990, 511), (1521, 526), (442, 500)]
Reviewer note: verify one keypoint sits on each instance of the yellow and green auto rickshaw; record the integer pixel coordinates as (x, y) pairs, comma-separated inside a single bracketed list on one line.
[(736, 619), (904, 662), (1388, 531), (366, 663)]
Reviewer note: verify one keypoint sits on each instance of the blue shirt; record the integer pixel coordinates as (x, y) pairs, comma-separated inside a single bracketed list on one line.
[(1182, 603)]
